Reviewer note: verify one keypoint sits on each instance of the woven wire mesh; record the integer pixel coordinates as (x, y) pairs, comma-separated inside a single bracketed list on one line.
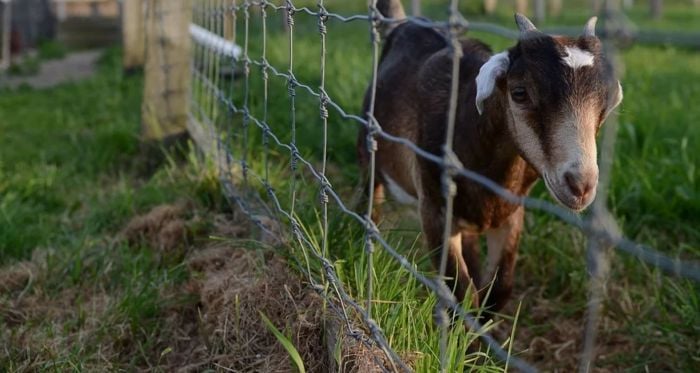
[(229, 104)]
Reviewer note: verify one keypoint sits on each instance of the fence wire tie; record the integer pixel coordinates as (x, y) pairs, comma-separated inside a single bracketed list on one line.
[(323, 104), (325, 187), (296, 229), (264, 67), (322, 19), (375, 23), (246, 65), (373, 129), (290, 13), (270, 190), (371, 232), (292, 84), (294, 163)]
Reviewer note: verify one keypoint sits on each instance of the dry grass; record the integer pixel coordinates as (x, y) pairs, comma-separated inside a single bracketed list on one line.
[(162, 228), (219, 328), (556, 346)]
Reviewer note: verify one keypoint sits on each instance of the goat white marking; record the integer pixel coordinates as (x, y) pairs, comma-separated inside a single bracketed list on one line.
[(576, 57), (496, 66), (401, 195)]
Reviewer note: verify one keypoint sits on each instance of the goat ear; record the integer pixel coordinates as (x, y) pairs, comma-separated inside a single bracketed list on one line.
[(495, 67), (614, 99)]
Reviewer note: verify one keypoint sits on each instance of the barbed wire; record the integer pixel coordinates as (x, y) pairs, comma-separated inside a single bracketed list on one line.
[(210, 49)]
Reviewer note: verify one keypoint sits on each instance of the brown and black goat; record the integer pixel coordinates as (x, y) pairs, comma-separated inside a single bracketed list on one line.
[(529, 112)]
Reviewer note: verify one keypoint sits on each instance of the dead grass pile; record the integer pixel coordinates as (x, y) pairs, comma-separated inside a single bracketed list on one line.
[(353, 355), (162, 228), (17, 276), (212, 321), (235, 287)]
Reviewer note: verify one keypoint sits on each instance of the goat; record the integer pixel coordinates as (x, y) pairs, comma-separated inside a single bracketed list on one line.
[(530, 112)]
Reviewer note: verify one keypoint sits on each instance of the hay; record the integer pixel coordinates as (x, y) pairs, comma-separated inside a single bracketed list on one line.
[(162, 228), (17, 276), (235, 285), (211, 321)]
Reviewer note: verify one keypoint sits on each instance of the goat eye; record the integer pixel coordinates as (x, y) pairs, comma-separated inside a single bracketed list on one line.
[(519, 94)]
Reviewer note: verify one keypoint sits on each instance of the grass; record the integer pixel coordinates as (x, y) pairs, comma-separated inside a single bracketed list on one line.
[(71, 180), (654, 195)]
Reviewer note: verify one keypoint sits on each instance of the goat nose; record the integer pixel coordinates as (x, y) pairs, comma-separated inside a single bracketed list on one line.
[(579, 187)]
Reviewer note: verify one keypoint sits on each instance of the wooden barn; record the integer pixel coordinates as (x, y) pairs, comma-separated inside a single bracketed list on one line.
[(87, 23), (76, 23)]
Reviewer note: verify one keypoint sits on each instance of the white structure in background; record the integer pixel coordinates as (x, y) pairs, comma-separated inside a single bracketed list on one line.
[(214, 42)]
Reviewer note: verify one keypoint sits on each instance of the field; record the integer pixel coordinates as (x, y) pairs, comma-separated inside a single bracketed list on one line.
[(107, 255)]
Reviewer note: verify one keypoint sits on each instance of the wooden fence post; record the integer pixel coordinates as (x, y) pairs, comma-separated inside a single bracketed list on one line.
[(133, 34), (5, 30), (540, 11), (490, 6), (655, 8), (167, 71), (521, 6), (555, 7), (416, 8)]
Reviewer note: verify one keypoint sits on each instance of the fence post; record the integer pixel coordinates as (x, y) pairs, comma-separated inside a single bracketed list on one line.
[(521, 6), (6, 29), (416, 8), (167, 69), (555, 7), (133, 34), (540, 10), (490, 6), (655, 8)]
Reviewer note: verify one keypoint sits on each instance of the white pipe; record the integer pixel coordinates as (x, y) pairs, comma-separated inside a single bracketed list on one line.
[(213, 41)]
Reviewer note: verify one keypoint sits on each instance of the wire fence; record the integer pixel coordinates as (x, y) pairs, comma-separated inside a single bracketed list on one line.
[(221, 101)]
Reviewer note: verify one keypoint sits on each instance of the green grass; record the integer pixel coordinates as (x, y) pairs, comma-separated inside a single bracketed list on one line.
[(70, 180)]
